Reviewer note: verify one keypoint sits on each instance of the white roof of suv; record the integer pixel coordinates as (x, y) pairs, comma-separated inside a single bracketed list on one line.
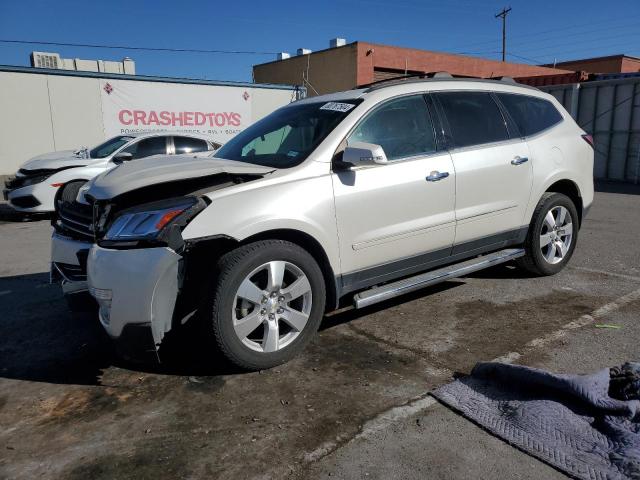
[(395, 87)]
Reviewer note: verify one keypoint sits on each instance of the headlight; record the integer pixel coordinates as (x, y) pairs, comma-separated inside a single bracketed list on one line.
[(32, 180), (154, 220)]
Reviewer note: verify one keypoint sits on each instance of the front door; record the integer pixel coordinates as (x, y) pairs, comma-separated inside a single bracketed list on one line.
[(395, 219)]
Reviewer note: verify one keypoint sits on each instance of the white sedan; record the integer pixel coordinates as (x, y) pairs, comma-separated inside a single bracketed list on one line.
[(33, 188)]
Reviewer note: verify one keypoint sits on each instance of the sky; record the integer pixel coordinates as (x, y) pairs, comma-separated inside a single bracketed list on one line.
[(538, 31)]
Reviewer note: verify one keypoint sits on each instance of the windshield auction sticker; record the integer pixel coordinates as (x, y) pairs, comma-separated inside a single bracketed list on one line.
[(337, 107)]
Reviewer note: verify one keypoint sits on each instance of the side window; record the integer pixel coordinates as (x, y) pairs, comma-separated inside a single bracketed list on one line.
[(474, 118), (148, 147), (532, 115), (402, 127), (189, 145)]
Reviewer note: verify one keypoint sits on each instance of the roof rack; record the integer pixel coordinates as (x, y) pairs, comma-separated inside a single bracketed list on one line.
[(504, 79), (403, 78), (435, 76)]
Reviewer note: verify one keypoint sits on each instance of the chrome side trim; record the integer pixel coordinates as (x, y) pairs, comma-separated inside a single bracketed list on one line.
[(395, 289)]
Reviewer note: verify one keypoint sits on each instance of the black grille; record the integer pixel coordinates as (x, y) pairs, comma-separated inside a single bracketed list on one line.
[(75, 220), (75, 273)]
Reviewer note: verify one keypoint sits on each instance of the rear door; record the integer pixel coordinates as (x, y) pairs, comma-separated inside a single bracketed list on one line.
[(493, 171), (149, 146), (393, 219)]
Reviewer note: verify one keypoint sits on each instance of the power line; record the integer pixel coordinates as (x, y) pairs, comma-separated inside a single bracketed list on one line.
[(541, 34), (526, 59), (148, 49), (503, 14)]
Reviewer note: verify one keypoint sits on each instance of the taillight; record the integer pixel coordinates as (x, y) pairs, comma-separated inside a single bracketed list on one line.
[(589, 139)]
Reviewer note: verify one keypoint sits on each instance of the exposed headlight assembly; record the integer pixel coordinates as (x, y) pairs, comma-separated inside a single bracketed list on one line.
[(157, 222)]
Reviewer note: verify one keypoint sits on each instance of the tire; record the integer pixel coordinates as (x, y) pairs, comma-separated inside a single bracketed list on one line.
[(543, 258), (70, 190), (236, 311)]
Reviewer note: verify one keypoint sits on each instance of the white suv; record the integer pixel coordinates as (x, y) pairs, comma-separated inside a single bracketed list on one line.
[(363, 195), (34, 186)]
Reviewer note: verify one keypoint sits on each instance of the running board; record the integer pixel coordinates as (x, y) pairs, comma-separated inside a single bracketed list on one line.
[(395, 289)]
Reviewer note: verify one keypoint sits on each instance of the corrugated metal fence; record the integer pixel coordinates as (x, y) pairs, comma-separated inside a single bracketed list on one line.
[(610, 111)]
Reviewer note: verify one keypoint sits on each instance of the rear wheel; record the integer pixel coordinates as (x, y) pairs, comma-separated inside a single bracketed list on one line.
[(268, 303), (552, 235)]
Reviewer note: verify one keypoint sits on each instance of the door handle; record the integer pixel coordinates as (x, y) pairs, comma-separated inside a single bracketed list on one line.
[(517, 160), (435, 176)]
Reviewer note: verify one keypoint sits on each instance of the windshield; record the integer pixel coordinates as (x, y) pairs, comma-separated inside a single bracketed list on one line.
[(286, 137), (107, 148)]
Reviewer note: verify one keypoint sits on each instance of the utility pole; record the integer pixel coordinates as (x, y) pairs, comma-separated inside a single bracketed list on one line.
[(503, 15)]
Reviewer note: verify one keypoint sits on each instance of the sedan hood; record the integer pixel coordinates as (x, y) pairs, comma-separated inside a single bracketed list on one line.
[(55, 161), (149, 171)]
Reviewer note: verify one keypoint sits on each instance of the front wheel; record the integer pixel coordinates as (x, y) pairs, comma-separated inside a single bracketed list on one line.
[(268, 303), (552, 236)]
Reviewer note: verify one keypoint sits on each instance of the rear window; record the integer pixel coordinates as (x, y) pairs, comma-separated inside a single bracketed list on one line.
[(474, 118), (189, 145), (531, 114)]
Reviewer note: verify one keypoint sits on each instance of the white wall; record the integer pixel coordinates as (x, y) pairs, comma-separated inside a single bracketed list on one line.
[(41, 113), (25, 119)]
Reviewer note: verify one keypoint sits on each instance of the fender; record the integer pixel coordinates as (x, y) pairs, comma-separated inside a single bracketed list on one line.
[(540, 188)]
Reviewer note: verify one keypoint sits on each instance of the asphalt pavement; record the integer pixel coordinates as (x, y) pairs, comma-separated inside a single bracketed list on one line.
[(355, 404)]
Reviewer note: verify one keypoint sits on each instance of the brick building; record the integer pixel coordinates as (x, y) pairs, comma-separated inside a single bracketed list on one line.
[(609, 64), (360, 63)]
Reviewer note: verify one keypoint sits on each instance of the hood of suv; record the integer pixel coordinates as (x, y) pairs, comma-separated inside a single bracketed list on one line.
[(156, 170), (55, 161)]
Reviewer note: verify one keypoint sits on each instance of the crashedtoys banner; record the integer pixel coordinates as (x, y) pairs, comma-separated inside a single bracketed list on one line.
[(218, 112)]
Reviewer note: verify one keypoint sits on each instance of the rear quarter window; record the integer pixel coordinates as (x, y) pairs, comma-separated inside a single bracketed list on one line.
[(531, 114)]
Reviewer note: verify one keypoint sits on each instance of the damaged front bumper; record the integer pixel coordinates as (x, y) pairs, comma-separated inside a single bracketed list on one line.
[(136, 289), (69, 264)]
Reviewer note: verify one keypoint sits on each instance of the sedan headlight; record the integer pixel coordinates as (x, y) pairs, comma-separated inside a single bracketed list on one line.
[(26, 181), (153, 221)]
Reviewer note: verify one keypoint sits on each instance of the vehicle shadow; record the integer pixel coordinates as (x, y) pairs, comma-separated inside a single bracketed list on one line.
[(8, 214), (504, 271), (42, 341), (348, 313)]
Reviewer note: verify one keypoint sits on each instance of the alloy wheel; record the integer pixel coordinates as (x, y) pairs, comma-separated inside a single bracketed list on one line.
[(272, 306), (556, 234)]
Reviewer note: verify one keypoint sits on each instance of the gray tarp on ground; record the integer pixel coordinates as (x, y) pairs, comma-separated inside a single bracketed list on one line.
[(568, 421)]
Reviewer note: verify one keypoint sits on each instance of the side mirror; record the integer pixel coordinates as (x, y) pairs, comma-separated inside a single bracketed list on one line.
[(122, 157), (361, 154)]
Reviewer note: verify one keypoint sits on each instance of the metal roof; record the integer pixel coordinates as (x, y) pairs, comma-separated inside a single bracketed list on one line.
[(142, 78)]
